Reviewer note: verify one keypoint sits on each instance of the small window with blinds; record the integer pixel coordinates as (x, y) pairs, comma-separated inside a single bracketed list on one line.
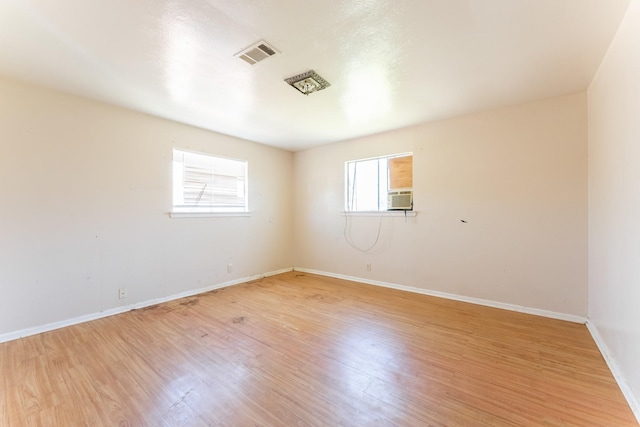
[(205, 183)]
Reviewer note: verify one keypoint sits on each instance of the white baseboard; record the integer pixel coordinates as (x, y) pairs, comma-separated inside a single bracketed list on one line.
[(488, 303), (110, 312), (632, 399)]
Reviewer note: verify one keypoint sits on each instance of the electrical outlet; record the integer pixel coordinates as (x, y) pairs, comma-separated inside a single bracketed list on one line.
[(122, 293), (229, 268), (368, 266)]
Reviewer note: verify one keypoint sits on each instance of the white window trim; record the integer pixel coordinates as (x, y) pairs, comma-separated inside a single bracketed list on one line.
[(174, 214), (399, 213), (377, 212)]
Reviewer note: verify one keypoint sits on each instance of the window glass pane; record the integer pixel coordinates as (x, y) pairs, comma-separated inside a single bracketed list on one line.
[(363, 185), (203, 183), (383, 186)]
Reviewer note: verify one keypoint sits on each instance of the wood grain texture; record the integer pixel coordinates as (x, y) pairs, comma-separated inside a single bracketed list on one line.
[(304, 350), (401, 172)]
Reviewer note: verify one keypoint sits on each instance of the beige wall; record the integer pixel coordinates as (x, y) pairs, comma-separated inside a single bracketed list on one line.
[(518, 176), (86, 191), (614, 200)]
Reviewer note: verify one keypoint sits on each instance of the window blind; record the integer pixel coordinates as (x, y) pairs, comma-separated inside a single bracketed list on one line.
[(209, 182)]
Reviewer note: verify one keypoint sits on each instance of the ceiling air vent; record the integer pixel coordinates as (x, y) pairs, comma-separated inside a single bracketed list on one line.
[(256, 52)]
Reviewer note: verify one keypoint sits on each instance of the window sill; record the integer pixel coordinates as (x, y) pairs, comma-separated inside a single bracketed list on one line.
[(207, 214), (381, 213)]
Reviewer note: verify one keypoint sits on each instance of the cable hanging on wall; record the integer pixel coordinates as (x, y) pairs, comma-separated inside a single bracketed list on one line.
[(349, 239)]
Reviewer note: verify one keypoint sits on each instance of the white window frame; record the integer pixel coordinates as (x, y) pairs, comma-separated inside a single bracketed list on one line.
[(382, 183), (216, 176)]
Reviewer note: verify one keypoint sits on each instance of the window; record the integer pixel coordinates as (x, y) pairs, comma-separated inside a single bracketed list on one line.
[(204, 183), (369, 181)]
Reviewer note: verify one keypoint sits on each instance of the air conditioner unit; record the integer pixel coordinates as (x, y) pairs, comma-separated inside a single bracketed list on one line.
[(400, 200)]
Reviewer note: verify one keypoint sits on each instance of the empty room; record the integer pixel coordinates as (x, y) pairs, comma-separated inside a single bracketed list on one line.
[(339, 213)]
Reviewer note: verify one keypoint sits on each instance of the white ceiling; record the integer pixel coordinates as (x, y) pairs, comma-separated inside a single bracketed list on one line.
[(391, 63)]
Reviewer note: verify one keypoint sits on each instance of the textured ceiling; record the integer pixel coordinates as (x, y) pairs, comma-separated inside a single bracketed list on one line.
[(391, 63)]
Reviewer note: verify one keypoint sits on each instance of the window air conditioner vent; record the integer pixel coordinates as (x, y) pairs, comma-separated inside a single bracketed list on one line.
[(256, 52), (400, 200)]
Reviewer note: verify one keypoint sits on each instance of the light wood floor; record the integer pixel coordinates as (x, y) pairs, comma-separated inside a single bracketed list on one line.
[(300, 350)]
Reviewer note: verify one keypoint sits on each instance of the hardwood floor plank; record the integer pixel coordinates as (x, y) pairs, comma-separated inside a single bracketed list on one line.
[(303, 350)]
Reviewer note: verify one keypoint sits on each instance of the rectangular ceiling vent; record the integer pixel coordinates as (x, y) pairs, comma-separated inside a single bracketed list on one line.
[(256, 52)]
